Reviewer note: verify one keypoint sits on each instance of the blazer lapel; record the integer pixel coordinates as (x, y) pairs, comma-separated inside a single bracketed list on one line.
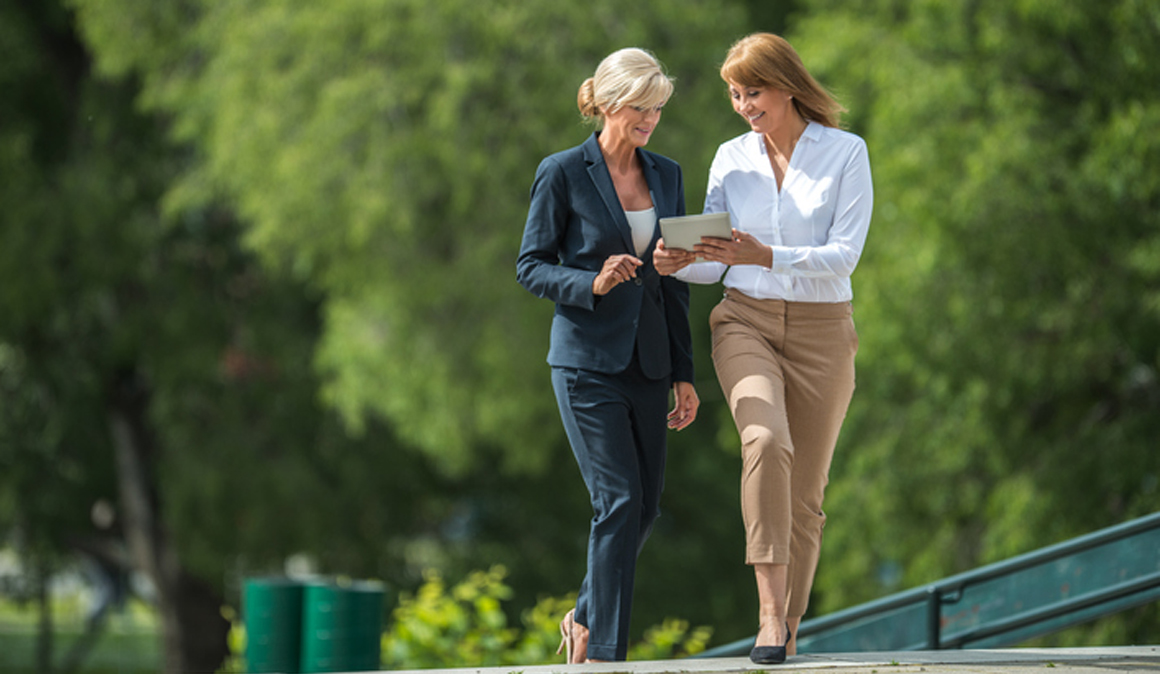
[(656, 191), (602, 179)]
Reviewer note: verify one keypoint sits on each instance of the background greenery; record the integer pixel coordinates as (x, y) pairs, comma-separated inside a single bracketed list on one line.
[(257, 293)]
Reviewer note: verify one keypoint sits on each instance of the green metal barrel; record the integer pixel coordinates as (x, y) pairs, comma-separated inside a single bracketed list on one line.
[(342, 627), (272, 608)]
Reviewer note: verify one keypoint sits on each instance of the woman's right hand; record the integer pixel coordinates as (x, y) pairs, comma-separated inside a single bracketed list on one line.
[(617, 269), (671, 260)]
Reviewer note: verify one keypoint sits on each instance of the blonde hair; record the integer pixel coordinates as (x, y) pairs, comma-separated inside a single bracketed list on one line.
[(628, 76), (767, 60)]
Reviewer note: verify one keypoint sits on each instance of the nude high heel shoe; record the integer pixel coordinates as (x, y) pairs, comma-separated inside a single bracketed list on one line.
[(566, 636)]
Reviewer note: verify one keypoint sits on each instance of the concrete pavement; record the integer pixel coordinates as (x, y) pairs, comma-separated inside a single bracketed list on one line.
[(1102, 660)]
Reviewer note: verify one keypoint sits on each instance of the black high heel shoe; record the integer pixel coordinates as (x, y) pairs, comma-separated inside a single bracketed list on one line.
[(771, 655)]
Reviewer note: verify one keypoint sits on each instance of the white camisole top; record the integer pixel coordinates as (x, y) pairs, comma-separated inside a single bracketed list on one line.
[(643, 224)]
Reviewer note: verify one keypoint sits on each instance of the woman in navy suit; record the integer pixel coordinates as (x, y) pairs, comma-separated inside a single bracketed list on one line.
[(620, 336)]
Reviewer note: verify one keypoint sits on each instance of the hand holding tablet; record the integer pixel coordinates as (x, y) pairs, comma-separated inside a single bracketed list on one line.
[(685, 231)]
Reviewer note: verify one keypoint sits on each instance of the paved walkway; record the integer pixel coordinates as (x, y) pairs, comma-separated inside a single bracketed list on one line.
[(1104, 660)]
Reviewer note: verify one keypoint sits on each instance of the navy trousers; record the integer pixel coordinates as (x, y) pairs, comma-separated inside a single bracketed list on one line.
[(616, 425)]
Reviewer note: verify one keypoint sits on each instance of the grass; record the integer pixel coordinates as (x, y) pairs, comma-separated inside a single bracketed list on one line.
[(129, 643), (119, 653)]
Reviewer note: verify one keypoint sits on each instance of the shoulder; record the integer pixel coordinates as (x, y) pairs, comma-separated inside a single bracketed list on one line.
[(738, 151), (837, 139), (746, 141), (563, 157), (557, 166)]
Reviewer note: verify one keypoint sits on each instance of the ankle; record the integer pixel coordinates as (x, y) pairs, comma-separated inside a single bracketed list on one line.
[(772, 632), (771, 619)]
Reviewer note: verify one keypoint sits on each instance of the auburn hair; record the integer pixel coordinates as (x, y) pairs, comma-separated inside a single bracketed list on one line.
[(768, 60)]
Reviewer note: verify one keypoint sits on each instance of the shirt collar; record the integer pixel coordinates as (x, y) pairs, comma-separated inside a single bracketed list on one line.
[(813, 131)]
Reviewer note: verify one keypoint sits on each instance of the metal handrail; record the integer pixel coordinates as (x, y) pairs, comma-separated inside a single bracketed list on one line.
[(1051, 553), (1061, 608), (935, 594)]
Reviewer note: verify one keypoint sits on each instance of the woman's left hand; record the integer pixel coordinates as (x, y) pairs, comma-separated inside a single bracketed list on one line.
[(687, 403), (743, 248), (668, 261)]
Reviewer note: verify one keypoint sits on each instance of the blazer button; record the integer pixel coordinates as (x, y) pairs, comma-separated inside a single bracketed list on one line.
[(636, 281)]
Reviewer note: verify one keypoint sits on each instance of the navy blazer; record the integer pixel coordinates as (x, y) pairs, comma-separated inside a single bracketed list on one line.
[(575, 223)]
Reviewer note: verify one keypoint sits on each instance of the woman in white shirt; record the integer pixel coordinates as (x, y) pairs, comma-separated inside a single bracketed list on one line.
[(799, 194)]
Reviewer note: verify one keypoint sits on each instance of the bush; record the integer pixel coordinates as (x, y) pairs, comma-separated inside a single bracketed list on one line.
[(467, 627)]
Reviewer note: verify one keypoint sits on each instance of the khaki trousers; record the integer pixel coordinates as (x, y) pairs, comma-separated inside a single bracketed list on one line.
[(787, 370)]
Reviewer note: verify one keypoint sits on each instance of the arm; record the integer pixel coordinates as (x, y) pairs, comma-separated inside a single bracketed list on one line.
[(683, 262), (676, 304), (847, 236), (685, 400), (538, 267)]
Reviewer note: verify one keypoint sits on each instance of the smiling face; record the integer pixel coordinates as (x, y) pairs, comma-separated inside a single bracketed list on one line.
[(632, 124), (765, 108)]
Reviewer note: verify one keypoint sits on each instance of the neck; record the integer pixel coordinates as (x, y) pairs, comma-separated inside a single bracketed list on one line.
[(784, 138), (618, 153)]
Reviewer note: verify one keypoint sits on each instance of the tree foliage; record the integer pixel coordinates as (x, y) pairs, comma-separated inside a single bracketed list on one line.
[(383, 154), (282, 235), (138, 294), (1008, 374)]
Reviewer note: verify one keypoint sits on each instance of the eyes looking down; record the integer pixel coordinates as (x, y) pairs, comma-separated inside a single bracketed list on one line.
[(760, 105), (633, 122)]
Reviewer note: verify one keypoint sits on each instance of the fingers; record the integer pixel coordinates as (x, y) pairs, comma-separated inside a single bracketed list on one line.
[(743, 248), (617, 269), (715, 249), (687, 403), (681, 417), (670, 260), (622, 267)]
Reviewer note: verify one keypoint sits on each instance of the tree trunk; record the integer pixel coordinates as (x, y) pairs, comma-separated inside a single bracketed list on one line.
[(44, 629), (193, 629)]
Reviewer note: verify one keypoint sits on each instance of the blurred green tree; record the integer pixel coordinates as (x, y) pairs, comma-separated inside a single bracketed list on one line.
[(151, 373), (381, 151), (339, 206), (1008, 388), (156, 323)]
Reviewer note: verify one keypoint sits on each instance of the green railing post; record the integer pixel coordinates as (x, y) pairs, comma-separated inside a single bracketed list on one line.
[(933, 618)]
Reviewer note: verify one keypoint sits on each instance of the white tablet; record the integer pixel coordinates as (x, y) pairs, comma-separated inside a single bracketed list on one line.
[(685, 231)]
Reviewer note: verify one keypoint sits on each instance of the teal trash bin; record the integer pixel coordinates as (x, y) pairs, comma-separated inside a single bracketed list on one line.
[(272, 610), (342, 627)]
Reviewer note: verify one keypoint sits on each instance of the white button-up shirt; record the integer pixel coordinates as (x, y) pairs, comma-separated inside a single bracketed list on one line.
[(816, 224)]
